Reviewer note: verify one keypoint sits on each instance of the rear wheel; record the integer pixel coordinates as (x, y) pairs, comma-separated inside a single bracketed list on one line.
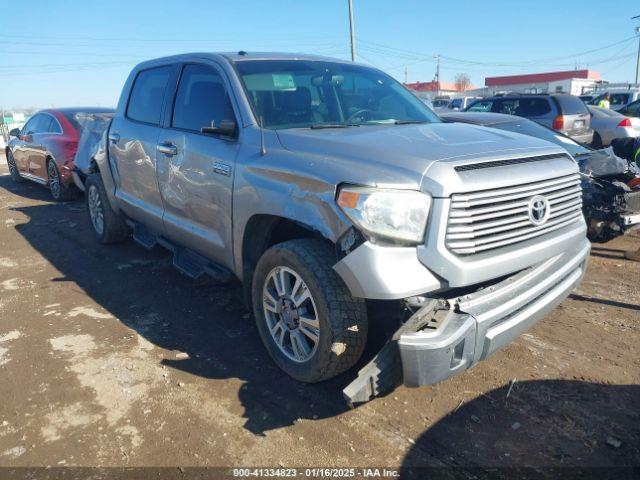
[(108, 226), (310, 324), (13, 168), (60, 191)]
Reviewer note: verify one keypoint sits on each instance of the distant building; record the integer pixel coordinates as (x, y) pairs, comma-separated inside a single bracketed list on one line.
[(9, 121), (575, 82), (434, 89)]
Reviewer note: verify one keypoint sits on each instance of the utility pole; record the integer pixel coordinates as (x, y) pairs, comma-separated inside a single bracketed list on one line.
[(638, 58), (353, 32), (437, 77), (406, 74)]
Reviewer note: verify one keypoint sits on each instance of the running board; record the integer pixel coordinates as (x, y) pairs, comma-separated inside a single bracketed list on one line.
[(195, 265), (384, 372), (187, 261), (143, 236)]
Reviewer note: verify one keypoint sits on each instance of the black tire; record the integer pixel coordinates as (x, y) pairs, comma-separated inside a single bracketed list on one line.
[(60, 191), (115, 228), (342, 318), (597, 141), (13, 168)]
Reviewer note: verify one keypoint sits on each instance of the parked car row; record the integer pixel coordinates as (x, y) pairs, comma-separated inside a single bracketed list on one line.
[(329, 189)]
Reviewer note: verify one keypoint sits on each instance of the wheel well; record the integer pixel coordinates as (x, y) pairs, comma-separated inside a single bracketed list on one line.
[(261, 233)]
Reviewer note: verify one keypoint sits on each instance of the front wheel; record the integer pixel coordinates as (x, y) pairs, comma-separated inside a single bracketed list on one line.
[(307, 319), (13, 168)]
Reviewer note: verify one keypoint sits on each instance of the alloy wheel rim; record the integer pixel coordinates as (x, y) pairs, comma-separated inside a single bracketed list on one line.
[(290, 313), (95, 209), (54, 180), (13, 168)]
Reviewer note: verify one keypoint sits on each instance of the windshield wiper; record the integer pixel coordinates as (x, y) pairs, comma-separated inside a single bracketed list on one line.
[(333, 125), (409, 122)]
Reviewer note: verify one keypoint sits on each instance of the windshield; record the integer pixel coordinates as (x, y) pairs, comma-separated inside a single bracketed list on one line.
[(305, 93), (536, 130)]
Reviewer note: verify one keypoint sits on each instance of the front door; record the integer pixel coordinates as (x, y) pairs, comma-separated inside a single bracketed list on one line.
[(27, 142), (46, 127), (195, 170), (132, 140)]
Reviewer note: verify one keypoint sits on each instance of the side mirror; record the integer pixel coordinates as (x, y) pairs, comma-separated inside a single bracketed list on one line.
[(15, 132), (226, 128)]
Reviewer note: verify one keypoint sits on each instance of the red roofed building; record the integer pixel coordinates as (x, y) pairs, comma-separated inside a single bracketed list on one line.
[(441, 87), (571, 81)]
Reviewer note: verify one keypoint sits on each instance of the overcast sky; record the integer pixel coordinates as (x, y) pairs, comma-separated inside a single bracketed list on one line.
[(63, 53)]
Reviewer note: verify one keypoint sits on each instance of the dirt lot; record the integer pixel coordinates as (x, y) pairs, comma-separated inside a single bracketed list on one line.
[(110, 357)]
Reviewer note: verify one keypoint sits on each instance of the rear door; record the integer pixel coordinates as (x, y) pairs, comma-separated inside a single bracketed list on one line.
[(133, 139), (196, 171), (576, 117)]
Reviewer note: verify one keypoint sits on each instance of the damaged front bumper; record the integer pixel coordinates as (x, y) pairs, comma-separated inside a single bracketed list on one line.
[(449, 336)]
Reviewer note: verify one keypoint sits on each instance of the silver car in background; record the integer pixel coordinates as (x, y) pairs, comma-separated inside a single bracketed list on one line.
[(564, 113), (609, 124)]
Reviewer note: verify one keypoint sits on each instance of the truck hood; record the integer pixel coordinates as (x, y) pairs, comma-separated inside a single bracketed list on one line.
[(402, 155)]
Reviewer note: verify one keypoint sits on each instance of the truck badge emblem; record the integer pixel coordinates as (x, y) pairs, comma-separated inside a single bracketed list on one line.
[(539, 210)]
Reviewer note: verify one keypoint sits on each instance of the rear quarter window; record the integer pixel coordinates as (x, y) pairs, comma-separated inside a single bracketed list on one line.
[(147, 94), (570, 105), (620, 98)]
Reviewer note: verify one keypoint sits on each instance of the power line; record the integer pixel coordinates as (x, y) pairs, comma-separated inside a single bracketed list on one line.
[(422, 57), (74, 39)]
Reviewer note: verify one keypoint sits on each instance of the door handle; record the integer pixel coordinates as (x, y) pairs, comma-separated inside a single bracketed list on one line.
[(114, 137), (167, 148)]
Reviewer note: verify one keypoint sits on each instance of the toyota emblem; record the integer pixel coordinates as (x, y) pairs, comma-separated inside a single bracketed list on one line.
[(539, 210)]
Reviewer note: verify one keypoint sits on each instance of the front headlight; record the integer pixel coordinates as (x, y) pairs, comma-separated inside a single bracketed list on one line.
[(385, 213)]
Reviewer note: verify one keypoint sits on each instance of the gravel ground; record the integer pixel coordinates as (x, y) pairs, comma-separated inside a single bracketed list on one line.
[(110, 357)]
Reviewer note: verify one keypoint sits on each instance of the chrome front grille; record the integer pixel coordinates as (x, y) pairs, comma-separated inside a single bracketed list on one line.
[(488, 219)]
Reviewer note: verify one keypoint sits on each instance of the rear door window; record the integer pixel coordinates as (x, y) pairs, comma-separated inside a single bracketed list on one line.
[(571, 105), (202, 99), (481, 106), (532, 107), (54, 127), (506, 106), (619, 99), (47, 124), (147, 94)]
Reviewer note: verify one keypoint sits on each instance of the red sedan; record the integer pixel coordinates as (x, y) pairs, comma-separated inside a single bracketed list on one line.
[(44, 150)]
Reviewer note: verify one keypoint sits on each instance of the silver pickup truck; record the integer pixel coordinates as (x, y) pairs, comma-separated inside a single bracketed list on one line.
[(323, 185)]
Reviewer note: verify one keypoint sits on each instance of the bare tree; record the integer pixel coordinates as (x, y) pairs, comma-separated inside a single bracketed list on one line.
[(462, 82)]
